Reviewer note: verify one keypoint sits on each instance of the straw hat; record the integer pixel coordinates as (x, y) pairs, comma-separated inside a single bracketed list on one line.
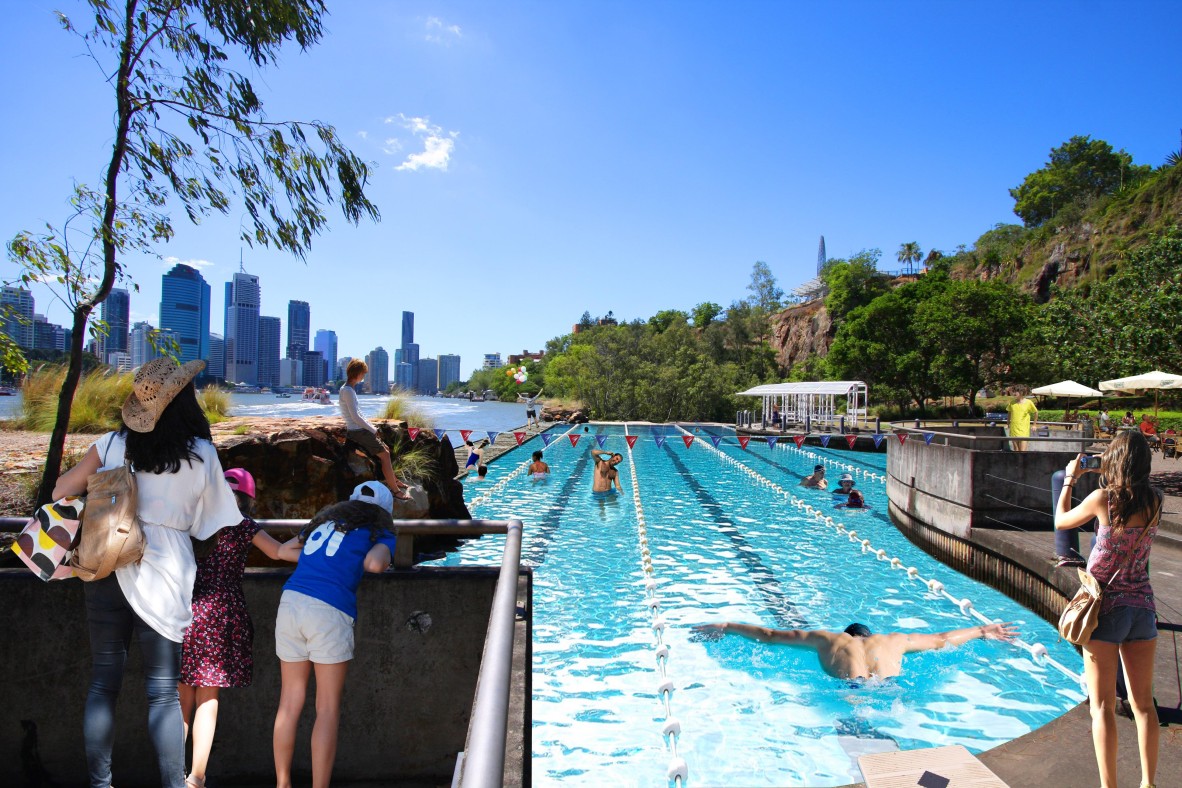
[(156, 383)]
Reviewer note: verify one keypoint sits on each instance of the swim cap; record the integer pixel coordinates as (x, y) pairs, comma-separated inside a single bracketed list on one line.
[(858, 630)]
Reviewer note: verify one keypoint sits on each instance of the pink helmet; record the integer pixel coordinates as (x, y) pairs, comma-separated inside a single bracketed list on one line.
[(241, 481)]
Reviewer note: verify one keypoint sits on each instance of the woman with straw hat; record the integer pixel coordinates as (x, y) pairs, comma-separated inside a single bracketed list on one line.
[(181, 493)]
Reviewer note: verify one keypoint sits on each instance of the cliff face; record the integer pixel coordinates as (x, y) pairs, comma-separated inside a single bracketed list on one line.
[(801, 331)]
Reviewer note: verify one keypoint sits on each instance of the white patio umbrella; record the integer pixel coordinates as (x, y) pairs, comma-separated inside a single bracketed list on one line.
[(1066, 388), (1155, 380)]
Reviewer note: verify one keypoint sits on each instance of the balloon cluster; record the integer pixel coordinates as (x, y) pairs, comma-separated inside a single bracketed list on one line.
[(517, 373)]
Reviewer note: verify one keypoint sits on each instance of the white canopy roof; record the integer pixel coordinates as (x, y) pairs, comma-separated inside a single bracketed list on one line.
[(1150, 380), (837, 387), (1066, 388)]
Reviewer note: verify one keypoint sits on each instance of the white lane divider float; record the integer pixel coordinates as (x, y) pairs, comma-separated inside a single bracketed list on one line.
[(496, 488), (677, 773), (790, 446), (1036, 650)]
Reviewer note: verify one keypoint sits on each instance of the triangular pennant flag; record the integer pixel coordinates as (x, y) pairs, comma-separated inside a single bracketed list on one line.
[(660, 439), (439, 434), (851, 440), (574, 439), (492, 437), (519, 437), (877, 439), (744, 440), (771, 441), (546, 438), (798, 440), (413, 432), (688, 440), (465, 434), (927, 437), (631, 440), (902, 436), (716, 439), (825, 441), (601, 439)]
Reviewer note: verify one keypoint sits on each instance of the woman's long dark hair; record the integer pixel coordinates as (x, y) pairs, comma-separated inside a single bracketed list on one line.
[(349, 516), (1126, 466), (171, 440)]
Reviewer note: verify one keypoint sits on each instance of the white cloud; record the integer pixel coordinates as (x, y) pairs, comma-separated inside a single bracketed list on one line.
[(435, 155), (199, 264), (363, 134), (438, 143), (391, 146), (436, 31)]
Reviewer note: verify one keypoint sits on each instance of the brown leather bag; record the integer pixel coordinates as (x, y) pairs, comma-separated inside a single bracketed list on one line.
[(111, 533)]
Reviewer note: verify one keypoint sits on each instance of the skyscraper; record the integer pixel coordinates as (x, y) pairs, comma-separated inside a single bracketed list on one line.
[(428, 376), (115, 311), (299, 321), (184, 310), (314, 369), (215, 367), (139, 344), (326, 344), (408, 328), (377, 380), (243, 296), (449, 370), (408, 353), (16, 304), (269, 332), (404, 376), (820, 255)]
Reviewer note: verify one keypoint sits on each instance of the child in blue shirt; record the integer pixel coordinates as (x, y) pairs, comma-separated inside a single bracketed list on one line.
[(314, 625)]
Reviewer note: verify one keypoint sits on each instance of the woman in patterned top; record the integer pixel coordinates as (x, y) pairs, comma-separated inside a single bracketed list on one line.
[(1128, 510), (217, 651)]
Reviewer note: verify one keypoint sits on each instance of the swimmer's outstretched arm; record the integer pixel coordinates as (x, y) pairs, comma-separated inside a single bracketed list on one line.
[(956, 637), (600, 454), (799, 637)]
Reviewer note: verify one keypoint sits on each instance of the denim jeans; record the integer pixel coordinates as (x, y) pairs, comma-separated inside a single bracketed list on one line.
[(112, 623)]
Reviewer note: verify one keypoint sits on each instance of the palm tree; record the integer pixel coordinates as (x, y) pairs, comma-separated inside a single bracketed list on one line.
[(909, 254)]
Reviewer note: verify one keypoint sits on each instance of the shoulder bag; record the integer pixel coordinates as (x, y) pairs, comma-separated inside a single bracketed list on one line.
[(47, 541), (111, 533)]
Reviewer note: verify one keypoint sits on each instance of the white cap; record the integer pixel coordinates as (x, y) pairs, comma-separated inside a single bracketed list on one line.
[(375, 493)]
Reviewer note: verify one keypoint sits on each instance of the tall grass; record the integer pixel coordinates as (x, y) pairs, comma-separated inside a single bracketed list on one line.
[(215, 402), (416, 463), (96, 406), (399, 407)]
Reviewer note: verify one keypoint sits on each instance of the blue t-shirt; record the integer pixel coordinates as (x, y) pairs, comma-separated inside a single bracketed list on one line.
[(332, 564)]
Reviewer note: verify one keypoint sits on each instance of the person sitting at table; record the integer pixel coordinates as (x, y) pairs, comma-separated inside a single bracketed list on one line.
[(1148, 429), (1105, 421), (1128, 420)]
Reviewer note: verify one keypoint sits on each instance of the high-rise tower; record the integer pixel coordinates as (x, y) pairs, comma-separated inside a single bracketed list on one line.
[(269, 332), (299, 322), (820, 255), (184, 311), (326, 343), (116, 310), (243, 296)]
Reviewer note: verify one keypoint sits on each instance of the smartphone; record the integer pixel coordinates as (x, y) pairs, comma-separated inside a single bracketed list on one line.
[(1090, 462)]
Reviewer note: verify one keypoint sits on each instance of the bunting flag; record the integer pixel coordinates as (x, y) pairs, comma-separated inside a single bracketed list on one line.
[(574, 439), (631, 440), (851, 440), (744, 440), (465, 434), (660, 439), (902, 436), (519, 437), (877, 439), (688, 440), (771, 441), (413, 432), (799, 440), (546, 438), (492, 437), (716, 439), (601, 439), (825, 441), (927, 437), (439, 434)]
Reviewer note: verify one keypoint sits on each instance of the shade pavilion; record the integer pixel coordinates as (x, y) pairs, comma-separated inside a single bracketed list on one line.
[(815, 401)]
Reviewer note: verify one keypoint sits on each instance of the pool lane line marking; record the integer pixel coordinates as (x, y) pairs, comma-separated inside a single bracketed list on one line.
[(678, 770), (1036, 650)]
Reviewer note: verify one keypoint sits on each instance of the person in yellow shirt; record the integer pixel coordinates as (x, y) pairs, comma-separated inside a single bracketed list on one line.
[(1023, 416)]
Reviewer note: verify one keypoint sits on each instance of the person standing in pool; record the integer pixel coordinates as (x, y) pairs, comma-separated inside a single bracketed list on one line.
[(538, 469), (857, 653), (816, 478), (845, 485), (605, 474)]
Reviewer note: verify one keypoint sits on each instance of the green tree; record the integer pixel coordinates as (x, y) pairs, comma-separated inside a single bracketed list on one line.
[(190, 128), (852, 283), (909, 254), (662, 320), (705, 313), (1079, 171), (765, 293)]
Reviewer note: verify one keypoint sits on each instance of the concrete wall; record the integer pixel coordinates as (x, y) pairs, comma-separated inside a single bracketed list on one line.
[(406, 706), (957, 488)]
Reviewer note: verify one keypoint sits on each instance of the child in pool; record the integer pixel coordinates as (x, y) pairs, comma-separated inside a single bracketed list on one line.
[(855, 501), (314, 626), (218, 645), (537, 469)]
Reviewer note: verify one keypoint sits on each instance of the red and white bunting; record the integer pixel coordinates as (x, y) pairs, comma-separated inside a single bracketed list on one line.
[(631, 440), (465, 434), (902, 436), (688, 440), (519, 437), (798, 440), (851, 440), (744, 440), (413, 432), (574, 439)]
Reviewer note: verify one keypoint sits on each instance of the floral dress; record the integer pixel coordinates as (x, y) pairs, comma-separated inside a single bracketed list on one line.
[(218, 645)]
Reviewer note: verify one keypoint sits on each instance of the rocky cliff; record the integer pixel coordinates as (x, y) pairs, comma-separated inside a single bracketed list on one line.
[(801, 331)]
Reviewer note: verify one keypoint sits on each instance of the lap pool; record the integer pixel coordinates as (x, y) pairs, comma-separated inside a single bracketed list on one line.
[(724, 533)]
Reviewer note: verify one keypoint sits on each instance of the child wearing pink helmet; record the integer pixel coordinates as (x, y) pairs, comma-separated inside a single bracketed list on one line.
[(218, 645)]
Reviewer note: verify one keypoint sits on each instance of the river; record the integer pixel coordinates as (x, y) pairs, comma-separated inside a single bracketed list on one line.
[(442, 412)]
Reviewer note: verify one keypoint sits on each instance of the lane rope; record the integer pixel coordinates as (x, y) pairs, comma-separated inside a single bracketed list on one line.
[(520, 469)]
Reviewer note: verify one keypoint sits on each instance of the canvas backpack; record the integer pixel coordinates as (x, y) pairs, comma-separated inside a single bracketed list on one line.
[(111, 533)]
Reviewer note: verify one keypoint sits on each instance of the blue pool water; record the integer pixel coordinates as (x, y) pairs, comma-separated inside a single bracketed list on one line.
[(725, 546)]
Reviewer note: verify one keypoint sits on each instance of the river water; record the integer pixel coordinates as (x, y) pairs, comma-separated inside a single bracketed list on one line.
[(441, 412)]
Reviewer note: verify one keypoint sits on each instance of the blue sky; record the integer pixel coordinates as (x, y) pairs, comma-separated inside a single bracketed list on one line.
[(535, 160)]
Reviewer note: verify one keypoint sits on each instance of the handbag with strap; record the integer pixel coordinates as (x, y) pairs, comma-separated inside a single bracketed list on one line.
[(48, 539), (1082, 613), (112, 536)]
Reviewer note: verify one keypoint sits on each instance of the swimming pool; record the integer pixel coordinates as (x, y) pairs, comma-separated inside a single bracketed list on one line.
[(714, 539)]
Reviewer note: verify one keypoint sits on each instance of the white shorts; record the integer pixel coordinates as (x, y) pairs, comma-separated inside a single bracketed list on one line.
[(308, 630)]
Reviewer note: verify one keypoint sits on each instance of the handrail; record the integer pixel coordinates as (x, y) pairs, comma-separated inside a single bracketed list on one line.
[(410, 527), (484, 751)]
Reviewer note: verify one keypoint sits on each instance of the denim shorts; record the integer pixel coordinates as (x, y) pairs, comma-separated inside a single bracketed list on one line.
[(1123, 624)]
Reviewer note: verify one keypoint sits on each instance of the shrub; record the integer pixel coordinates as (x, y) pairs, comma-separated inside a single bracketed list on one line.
[(216, 404), (97, 402)]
